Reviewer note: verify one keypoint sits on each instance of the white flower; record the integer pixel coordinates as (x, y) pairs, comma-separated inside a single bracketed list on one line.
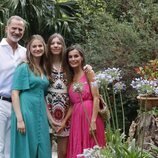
[(145, 87), (119, 86), (91, 153), (108, 76), (78, 87)]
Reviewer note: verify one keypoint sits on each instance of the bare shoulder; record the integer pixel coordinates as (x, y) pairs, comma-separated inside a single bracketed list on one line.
[(90, 75)]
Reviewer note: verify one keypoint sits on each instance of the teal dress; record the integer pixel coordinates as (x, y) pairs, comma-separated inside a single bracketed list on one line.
[(35, 143)]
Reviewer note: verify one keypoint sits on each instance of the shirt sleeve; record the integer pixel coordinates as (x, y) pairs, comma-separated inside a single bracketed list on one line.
[(21, 78)]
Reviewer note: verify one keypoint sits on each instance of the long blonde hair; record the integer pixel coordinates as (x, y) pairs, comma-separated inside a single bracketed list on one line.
[(44, 62)]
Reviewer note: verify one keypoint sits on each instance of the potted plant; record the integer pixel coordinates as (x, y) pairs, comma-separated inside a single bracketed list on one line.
[(147, 84), (144, 128)]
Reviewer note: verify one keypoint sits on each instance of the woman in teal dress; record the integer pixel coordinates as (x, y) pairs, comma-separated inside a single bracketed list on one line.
[(29, 121)]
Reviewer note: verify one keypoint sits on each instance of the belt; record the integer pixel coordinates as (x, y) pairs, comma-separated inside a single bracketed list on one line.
[(6, 99)]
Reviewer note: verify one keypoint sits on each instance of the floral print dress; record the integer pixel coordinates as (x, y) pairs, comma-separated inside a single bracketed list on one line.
[(58, 100)]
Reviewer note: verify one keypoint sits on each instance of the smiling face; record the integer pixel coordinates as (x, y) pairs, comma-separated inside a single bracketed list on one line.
[(37, 48), (75, 59), (15, 30), (56, 46)]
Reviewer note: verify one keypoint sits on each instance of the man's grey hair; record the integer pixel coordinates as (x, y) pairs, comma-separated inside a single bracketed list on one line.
[(16, 18)]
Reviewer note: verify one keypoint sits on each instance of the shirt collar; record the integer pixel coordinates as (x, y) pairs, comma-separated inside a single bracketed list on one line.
[(5, 43)]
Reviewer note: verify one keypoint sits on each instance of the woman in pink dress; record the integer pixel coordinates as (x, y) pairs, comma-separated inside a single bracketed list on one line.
[(87, 127)]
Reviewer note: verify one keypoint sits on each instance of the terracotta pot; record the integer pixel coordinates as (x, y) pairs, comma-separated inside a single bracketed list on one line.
[(148, 102)]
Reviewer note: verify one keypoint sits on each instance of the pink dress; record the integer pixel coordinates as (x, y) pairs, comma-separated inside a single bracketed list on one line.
[(80, 138)]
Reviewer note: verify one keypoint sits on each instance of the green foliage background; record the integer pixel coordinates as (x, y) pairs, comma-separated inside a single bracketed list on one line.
[(123, 34), (114, 33)]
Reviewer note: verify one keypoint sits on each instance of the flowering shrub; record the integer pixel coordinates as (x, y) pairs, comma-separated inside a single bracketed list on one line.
[(109, 80), (119, 86), (147, 83), (145, 87), (108, 76)]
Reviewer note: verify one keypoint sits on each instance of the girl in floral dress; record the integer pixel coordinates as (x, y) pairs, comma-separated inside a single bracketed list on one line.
[(57, 98)]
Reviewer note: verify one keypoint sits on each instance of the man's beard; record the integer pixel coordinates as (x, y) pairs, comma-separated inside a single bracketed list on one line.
[(14, 38)]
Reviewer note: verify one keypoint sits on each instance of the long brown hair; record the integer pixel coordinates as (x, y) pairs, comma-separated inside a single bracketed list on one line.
[(67, 68), (59, 36), (44, 62)]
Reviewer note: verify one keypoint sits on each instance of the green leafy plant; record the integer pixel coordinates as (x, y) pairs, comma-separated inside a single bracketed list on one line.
[(118, 148)]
